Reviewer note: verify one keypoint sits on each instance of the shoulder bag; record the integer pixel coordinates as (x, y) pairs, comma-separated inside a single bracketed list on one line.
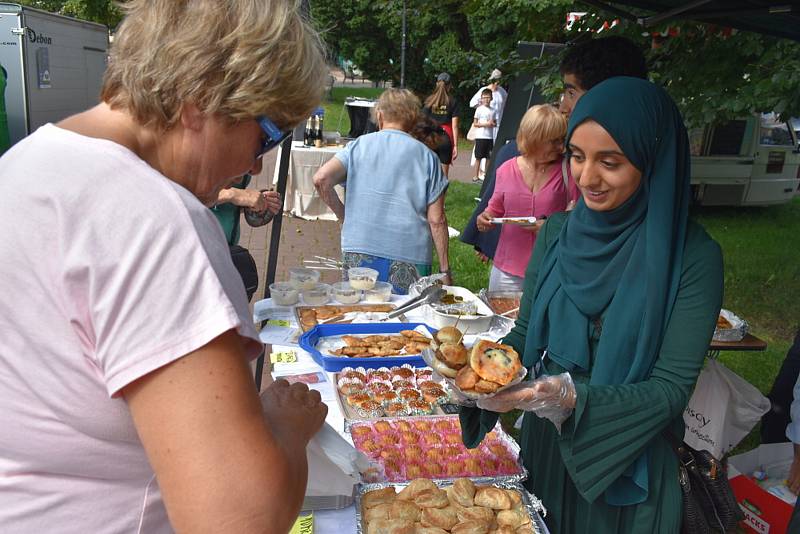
[(709, 504)]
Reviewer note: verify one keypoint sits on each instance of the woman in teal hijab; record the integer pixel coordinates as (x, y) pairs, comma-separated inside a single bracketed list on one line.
[(620, 303)]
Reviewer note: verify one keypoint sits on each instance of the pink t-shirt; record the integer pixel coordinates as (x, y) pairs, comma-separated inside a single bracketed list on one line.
[(109, 271), (513, 198)]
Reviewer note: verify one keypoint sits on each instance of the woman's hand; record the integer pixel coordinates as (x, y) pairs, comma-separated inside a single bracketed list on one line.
[(293, 411), (535, 227), (552, 397), (484, 221)]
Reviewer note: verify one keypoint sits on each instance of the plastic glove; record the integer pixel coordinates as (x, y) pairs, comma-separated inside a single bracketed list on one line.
[(552, 397)]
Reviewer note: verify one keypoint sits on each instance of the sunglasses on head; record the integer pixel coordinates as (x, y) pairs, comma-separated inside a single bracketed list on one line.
[(273, 135)]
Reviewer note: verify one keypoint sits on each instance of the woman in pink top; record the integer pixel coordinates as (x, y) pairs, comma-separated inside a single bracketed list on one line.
[(530, 185)]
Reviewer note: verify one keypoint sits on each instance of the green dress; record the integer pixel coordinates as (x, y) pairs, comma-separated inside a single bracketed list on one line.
[(612, 425)]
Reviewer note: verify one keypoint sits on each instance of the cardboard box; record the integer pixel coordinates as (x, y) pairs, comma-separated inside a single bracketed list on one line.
[(764, 512)]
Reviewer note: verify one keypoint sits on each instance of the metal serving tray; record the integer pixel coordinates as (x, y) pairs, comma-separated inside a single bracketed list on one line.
[(532, 504)]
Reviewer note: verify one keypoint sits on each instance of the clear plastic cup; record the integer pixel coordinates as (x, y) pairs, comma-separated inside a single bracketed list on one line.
[(362, 277), (344, 293), (381, 292), (283, 293), (318, 295), (302, 278)]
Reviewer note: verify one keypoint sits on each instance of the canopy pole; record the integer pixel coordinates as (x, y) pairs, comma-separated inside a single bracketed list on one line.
[(274, 241)]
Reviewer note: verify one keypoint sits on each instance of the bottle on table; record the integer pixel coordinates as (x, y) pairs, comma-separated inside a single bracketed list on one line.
[(319, 140), (307, 134)]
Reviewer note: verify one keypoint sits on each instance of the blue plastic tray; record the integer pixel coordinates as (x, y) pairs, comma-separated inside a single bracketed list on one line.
[(309, 340)]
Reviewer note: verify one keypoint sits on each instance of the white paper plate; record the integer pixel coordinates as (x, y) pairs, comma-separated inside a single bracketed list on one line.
[(519, 221)]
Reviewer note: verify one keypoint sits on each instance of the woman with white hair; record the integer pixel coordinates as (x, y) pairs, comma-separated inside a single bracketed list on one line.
[(127, 402)]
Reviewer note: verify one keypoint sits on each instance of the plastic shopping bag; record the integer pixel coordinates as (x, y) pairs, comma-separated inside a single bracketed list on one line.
[(722, 410)]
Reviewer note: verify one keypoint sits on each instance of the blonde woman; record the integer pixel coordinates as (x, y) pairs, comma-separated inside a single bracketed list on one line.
[(128, 404), (530, 185), (444, 109), (394, 208)]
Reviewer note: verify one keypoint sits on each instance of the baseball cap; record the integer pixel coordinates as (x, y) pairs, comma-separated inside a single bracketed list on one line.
[(443, 77), (495, 75)]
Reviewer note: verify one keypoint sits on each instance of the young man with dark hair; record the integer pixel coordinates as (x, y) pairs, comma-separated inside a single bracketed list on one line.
[(587, 64)]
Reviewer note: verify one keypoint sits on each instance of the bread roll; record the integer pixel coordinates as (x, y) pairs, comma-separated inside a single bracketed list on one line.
[(378, 496), (449, 334), (444, 518), (453, 354), (436, 498), (414, 488)]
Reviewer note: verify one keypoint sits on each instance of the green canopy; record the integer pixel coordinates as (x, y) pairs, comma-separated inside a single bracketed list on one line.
[(776, 18)]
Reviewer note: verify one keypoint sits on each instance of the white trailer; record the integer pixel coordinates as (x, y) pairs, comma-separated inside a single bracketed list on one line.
[(54, 66), (752, 161)]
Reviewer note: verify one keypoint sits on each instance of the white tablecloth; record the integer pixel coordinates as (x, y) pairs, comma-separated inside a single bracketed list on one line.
[(302, 199)]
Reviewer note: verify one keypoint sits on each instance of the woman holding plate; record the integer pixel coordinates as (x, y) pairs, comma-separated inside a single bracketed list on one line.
[(530, 185), (620, 302)]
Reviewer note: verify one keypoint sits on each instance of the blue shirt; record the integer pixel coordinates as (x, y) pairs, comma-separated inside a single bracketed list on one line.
[(391, 180)]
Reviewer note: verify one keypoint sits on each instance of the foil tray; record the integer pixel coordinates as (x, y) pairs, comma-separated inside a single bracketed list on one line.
[(738, 330), (531, 503), (506, 439)]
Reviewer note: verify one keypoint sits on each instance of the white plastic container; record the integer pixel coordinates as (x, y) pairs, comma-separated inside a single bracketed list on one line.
[(344, 293), (382, 292), (283, 293), (302, 278), (318, 295), (362, 277), (471, 324)]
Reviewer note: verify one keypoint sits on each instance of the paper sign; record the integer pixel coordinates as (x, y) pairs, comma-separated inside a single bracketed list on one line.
[(288, 356), (303, 525)]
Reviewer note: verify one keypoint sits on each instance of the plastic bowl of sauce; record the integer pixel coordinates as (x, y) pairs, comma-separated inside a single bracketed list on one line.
[(318, 295), (362, 277), (344, 293), (382, 292), (283, 293), (302, 278)]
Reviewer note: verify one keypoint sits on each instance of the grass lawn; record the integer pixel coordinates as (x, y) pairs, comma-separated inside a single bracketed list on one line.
[(761, 248)]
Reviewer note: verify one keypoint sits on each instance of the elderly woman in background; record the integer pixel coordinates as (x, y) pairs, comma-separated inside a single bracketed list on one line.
[(126, 400), (394, 202), (534, 184)]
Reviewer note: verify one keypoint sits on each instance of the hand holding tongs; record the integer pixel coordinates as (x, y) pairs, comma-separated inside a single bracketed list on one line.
[(430, 294)]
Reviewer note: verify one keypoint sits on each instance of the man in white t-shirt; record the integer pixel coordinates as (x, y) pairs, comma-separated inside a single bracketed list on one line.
[(484, 122), (499, 98)]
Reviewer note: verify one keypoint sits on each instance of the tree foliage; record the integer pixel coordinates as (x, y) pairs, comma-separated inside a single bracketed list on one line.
[(102, 11), (713, 73)]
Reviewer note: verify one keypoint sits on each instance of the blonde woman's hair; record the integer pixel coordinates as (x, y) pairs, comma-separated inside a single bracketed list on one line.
[(540, 124), (236, 58), (439, 98), (398, 105)]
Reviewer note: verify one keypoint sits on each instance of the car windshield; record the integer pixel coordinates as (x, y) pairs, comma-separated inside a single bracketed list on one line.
[(774, 131)]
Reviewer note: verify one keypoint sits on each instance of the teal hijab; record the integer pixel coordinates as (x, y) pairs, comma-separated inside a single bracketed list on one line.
[(623, 265)]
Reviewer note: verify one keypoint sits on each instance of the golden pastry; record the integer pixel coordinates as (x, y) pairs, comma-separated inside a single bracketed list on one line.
[(491, 497), (449, 334), (404, 510), (444, 518), (378, 496), (470, 527), (390, 526), (380, 511), (463, 492), (495, 362), (420, 529), (466, 378), (516, 498), (454, 355), (512, 518), (477, 514), (486, 386), (415, 487), (435, 498)]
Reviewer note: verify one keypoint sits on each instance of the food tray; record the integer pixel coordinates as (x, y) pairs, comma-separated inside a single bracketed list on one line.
[(469, 324), (496, 448), (736, 332), (350, 413), (532, 504), (340, 308), (309, 340)]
